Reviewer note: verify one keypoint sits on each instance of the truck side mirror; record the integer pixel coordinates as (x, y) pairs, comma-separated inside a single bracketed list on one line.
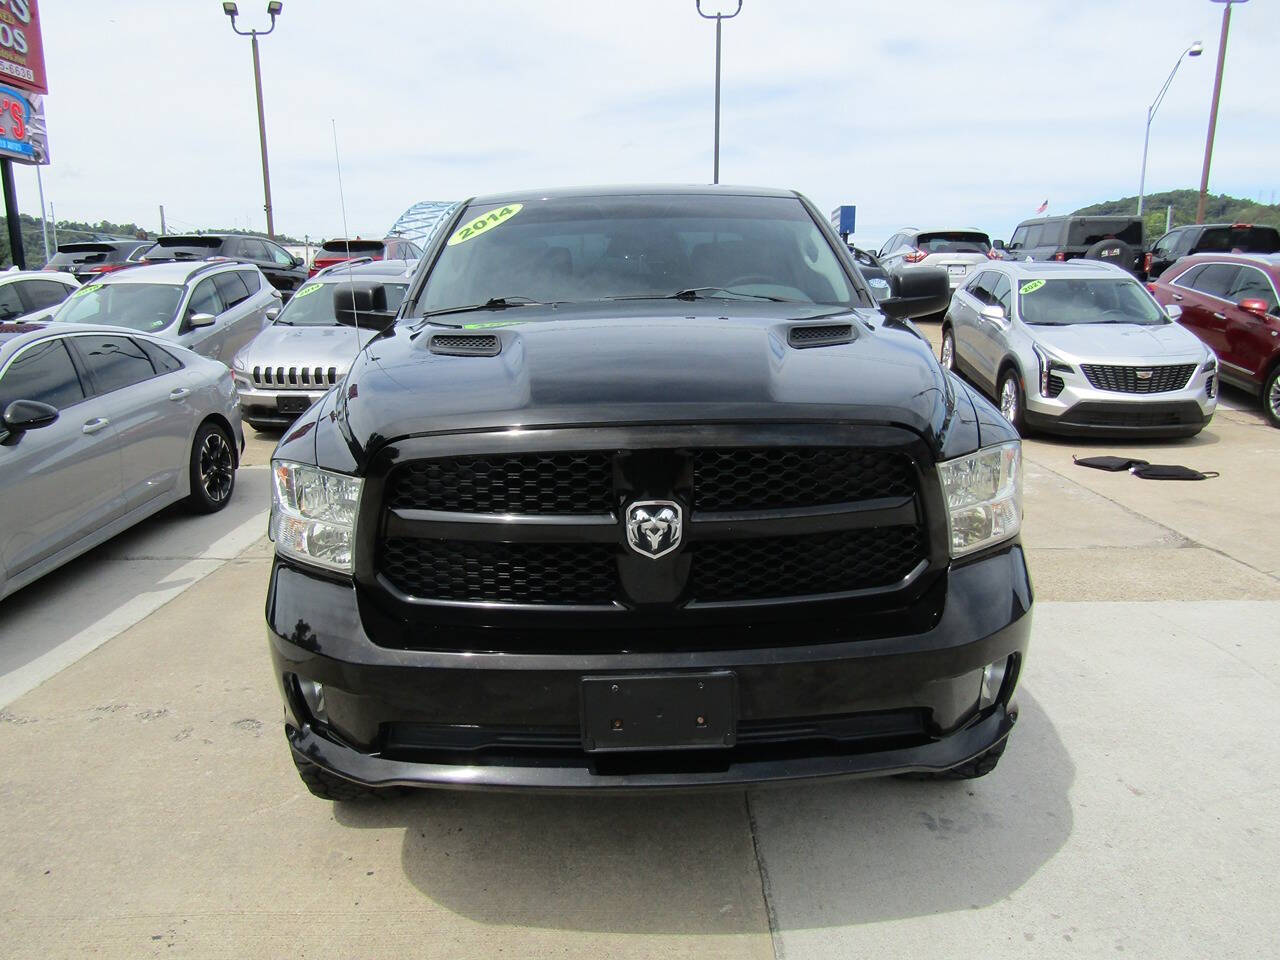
[(362, 304)]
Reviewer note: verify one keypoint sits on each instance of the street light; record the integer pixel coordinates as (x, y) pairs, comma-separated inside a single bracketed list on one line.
[(1213, 110), (273, 10), (1192, 51), (717, 17)]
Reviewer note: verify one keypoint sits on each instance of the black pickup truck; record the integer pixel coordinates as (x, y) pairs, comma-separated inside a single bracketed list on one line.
[(642, 488)]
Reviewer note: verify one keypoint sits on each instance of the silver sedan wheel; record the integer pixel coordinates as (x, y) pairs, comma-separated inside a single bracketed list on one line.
[(1009, 398), (948, 350), (1273, 398), (217, 467)]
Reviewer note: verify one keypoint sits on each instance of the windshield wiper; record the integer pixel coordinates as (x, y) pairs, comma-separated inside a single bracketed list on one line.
[(493, 303), (701, 293)]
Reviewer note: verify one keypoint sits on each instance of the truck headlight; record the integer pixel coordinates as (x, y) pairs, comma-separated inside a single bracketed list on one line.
[(313, 514), (984, 496)]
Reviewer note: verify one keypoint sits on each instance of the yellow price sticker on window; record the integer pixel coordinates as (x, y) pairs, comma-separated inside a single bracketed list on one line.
[(307, 290), (481, 225), (87, 288), (1031, 286)]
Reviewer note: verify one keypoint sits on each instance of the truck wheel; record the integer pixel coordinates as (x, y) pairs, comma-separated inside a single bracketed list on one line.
[(330, 786), (212, 469), (1271, 396), (979, 766)]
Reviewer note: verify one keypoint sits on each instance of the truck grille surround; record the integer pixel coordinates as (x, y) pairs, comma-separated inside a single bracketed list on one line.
[(769, 516)]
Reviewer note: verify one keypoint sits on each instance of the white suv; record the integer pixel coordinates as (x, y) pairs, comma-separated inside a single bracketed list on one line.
[(959, 252)]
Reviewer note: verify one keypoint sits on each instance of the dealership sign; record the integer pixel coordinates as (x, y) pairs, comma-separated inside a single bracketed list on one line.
[(21, 52), (23, 134)]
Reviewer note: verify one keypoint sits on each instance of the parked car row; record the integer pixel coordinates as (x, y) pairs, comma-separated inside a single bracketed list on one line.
[(1214, 283)]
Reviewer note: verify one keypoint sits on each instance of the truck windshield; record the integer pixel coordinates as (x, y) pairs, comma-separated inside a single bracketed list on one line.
[(599, 248), (1062, 302)]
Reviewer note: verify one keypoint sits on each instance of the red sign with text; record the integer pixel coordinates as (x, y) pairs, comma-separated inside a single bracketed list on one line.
[(21, 52)]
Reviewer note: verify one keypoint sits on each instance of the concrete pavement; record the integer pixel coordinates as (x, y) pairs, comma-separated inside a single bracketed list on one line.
[(151, 808)]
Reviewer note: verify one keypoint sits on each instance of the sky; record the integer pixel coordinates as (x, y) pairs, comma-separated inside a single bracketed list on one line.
[(925, 113)]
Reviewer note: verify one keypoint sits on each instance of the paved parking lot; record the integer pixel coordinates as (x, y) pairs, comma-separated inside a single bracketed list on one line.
[(151, 809)]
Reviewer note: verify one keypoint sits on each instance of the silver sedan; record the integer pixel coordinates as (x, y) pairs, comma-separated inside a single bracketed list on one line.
[(100, 428), (1079, 348)]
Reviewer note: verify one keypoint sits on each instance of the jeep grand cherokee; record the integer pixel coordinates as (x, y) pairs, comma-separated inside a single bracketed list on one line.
[(642, 488)]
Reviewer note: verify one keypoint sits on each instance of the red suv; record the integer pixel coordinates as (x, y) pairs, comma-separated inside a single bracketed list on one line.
[(337, 251), (1230, 302)]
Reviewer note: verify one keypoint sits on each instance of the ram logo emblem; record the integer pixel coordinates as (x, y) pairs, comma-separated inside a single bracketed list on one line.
[(654, 527)]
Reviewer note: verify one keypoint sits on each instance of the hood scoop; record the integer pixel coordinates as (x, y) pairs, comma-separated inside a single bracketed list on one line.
[(819, 335), (465, 344)]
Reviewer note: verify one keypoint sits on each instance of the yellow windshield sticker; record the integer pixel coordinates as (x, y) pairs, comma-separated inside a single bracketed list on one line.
[(87, 288), (309, 288), (484, 224), (490, 325), (1031, 286)]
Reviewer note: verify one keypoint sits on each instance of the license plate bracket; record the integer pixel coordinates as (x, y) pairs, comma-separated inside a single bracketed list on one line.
[(957, 270), (660, 711), (293, 404)]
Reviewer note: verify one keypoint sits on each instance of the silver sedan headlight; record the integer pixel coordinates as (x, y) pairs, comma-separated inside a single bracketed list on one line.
[(313, 514), (984, 496)]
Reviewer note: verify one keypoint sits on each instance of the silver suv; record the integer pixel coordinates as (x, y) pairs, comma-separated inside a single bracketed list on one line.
[(211, 307), (959, 252), (293, 362), (1079, 347)]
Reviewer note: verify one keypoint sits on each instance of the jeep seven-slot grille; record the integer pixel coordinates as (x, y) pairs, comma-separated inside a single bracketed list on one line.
[(1163, 379), (295, 378), (443, 541)]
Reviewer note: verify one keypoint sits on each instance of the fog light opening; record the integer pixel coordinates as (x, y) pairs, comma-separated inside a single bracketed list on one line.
[(993, 675), (313, 696)]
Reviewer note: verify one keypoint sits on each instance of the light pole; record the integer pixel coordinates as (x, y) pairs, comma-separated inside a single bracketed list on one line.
[(1213, 110), (1192, 51), (717, 17), (273, 10)]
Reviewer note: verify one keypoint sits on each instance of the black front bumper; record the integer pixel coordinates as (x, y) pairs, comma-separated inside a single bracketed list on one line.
[(1181, 418), (876, 706)]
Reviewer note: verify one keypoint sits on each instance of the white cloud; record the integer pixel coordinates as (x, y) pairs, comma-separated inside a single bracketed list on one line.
[(920, 113)]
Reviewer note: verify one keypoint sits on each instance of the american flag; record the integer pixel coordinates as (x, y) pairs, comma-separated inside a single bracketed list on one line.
[(1043, 207)]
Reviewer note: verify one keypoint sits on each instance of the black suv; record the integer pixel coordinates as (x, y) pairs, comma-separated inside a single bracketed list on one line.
[(1210, 238), (1113, 239), (642, 488), (282, 269), (88, 259)]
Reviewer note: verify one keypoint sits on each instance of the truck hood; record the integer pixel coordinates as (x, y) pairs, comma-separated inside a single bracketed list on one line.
[(645, 363), (280, 345), (1121, 343)]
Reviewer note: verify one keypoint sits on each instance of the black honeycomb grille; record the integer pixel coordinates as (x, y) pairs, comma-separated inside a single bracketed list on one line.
[(531, 573), (774, 567), (552, 483), (1127, 380), (780, 477)]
